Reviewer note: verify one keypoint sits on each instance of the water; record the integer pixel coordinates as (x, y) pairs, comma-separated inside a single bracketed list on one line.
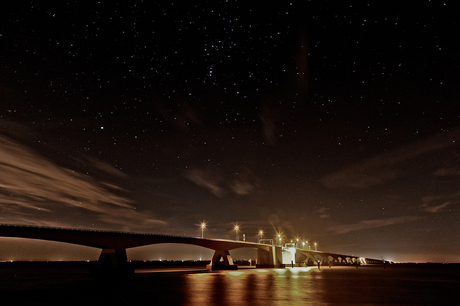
[(407, 285)]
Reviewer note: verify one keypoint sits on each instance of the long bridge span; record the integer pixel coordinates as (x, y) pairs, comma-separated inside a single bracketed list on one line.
[(114, 244)]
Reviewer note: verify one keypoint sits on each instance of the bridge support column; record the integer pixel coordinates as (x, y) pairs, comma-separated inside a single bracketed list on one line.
[(273, 258), (112, 262), (225, 264)]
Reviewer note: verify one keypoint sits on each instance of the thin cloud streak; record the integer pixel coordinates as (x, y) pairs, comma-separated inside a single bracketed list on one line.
[(375, 171), (447, 172), (368, 224), (206, 180), (29, 181), (243, 184), (437, 204), (437, 208), (323, 213)]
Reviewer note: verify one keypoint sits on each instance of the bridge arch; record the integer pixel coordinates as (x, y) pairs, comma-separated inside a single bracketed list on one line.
[(114, 244)]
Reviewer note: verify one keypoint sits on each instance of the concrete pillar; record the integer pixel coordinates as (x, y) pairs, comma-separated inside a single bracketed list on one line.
[(273, 258), (225, 264), (112, 262)]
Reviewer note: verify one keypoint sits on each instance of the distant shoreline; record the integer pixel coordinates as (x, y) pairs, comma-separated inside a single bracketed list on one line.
[(190, 263)]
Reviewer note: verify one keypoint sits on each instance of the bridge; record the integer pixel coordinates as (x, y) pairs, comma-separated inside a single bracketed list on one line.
[(113, 258)]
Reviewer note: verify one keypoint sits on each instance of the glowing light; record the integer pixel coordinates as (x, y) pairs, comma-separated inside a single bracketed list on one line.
[(203, 226), (237, 227), (201, 275), (262, 271), (236, 273)]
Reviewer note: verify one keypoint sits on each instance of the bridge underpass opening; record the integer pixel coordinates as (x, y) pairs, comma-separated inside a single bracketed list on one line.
[(170, 251), (26, 249), (185, 252)]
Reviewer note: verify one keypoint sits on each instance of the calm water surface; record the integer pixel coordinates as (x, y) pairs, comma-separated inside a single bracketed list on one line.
[(290, 286)]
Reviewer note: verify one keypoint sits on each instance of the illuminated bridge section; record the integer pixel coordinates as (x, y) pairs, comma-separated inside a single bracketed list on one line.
[(114, 244)]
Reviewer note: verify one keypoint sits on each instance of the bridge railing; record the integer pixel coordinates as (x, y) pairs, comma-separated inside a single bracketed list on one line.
[(266, 241)]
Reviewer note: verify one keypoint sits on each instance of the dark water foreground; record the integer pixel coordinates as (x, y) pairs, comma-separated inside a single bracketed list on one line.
[(70, 284)]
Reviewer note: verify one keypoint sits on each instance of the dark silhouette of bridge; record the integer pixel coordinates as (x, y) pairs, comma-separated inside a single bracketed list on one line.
[(113, 257)]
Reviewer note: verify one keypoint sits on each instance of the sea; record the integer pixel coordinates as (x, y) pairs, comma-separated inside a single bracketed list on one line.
[(70, 284)]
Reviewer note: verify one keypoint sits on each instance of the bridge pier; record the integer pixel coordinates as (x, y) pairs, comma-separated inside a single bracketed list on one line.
[(273, 258), (112, 262), (225, 264)]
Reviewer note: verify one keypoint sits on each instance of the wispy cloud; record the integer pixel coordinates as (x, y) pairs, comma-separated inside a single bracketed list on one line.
[(206, 180), (375, 171), (436, 208), (439, 203), (268, 124), (245, 182), (32, 183), (447, 172), (242, 183), (368, 224), (323, 212), (241, 187)]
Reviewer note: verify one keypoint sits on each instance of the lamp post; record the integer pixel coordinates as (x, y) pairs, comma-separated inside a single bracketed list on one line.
[(236, 230), (303, 244), (203, 225), (316, 246), (279, 238), (261, 233)]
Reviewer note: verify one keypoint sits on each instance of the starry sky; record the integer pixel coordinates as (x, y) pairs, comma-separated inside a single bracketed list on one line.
[(335, 122)]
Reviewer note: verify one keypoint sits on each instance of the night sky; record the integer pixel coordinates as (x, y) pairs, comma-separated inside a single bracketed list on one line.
[(336, 122)]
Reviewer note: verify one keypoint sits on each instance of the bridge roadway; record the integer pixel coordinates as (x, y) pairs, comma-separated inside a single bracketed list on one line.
[(113, 257)]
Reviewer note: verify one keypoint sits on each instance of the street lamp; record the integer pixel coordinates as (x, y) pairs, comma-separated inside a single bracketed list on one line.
[(279, 238), (261, 233), (303, 244), (316, 246), (203, 225), (236, 229)]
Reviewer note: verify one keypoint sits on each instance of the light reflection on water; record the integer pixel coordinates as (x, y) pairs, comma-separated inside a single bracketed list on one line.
[(336, 286), (251, 287), (402, 285)]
